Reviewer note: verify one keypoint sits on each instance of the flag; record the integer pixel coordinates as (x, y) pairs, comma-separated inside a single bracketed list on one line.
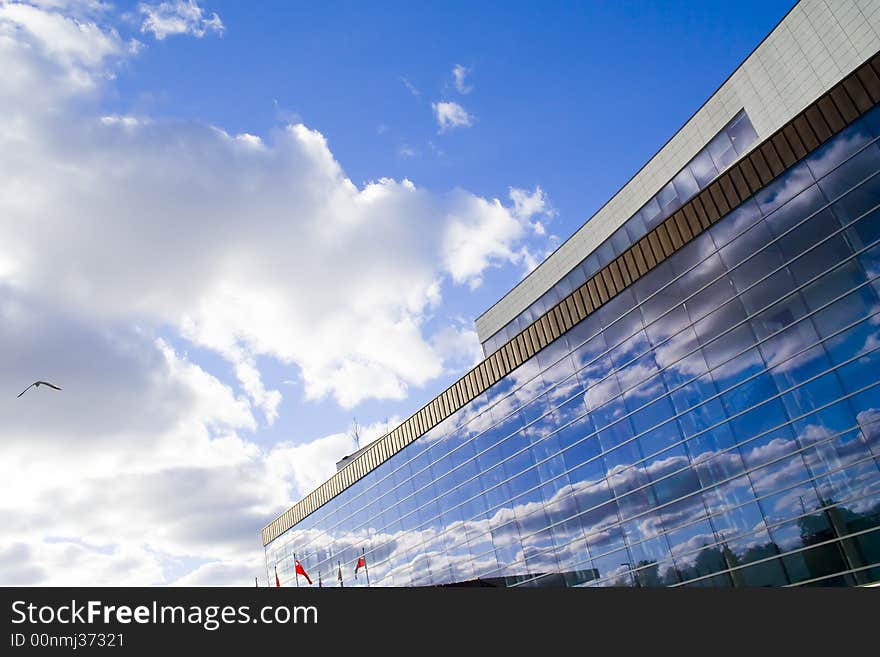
[(302, 571), (362, 563), (339, 576), (277, 581)]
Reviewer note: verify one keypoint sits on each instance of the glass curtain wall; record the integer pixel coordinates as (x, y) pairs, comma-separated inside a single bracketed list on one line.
[(716, 424)]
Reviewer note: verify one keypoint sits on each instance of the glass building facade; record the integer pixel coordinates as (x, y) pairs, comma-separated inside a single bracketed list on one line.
[(723, 149), (715, 424)]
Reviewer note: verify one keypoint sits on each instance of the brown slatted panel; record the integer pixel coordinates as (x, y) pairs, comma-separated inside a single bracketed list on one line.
[(709, 206), (610, 286), (859, 94), (751, 176), (644, 245), (817, 123), (616, 276), (739, 183), (623, 266), (571, 309), (567, 321), (683, 228), (730, 194), (761, 166), (831, 114), (593, 291), (718, 198), (531, 340), (632, 269), (805, 132), (525, 344), (665, 240), (844, 104), (482, 380), (772, 158), (507, 357), (579, 304), (600, 286), (516, 350), (553, 323), (541, 333), (585, 298), (786, 155), (674, 235), (693, 220), (493, 367), (871, 82), (784, 150), (794, 140)]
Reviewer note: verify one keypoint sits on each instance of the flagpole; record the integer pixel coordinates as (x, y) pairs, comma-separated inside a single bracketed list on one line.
[(366, 568), (295, 574)]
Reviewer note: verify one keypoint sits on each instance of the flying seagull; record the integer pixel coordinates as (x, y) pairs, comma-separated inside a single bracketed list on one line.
[(37, 384)]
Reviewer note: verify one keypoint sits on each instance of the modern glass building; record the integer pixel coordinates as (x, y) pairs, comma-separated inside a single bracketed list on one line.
[(686, 393)]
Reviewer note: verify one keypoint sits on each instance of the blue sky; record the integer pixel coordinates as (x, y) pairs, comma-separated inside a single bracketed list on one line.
[(573, 97), (233, 227)]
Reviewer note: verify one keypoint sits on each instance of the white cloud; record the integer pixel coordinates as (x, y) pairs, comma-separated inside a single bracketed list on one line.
[(451, 115), (124, 239), (483, 232), (310, 464), (178, 17), (460, 346), (459, 76)]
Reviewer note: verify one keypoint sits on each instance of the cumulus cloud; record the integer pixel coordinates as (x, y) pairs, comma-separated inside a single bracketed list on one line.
[(483, 232), (451, 115), (127, 239), (459, 76), (178, 17)]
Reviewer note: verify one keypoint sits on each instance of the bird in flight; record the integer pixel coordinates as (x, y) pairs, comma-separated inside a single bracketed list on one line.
[(37, 384)]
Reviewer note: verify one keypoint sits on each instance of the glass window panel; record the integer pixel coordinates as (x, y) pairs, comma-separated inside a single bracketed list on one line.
[(820, 259), (735, 222), (685, 185), (703, 168), (635, 227), (858, 201), (854, 170), (667, 198), (620, 241), (784, 188), (650, 213), (722, 151), (865, 232), (741, 133), (605, 253)]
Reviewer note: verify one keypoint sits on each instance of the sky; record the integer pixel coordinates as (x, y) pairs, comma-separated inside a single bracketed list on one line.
[(229, 231)]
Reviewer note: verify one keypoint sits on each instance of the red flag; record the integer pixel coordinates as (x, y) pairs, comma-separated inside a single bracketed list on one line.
[(362, 563), (277, 581), (302, 571)]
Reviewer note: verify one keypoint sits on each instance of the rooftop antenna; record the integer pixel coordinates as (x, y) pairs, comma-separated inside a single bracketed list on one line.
[(357, 438)]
